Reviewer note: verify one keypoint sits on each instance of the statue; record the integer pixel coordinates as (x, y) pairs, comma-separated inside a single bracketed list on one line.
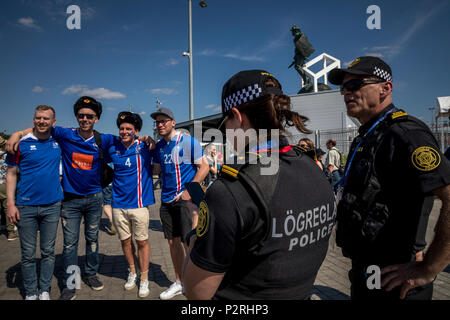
[(303, 49)]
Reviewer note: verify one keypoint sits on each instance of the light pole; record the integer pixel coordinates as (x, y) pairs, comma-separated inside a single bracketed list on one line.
[(190, 55), (432, 116)]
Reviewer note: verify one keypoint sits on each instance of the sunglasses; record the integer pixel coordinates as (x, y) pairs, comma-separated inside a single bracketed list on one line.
[(88, 116), (356, 84)]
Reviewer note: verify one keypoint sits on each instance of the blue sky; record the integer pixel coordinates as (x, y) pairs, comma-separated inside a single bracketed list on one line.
[(130, 52)]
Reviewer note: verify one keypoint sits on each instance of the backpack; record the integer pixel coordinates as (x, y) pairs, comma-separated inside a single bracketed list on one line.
[(107, 171), (342, 161)]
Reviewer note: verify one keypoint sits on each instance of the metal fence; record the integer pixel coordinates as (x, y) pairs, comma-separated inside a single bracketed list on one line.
[(441, 132), (343, 138)]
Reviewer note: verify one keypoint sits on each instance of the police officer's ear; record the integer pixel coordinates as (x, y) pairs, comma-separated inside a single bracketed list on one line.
[(386, 88), (239, 120)]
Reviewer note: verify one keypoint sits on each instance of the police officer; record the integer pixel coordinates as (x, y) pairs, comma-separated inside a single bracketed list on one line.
[(262, 231), (394, 169)]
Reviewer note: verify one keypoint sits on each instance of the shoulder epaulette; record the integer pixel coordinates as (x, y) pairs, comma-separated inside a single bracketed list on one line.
[(302, 149), (398, 115), (309, 153), (229, 171)]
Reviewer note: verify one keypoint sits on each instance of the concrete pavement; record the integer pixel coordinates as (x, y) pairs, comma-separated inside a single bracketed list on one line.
[(331, 284)]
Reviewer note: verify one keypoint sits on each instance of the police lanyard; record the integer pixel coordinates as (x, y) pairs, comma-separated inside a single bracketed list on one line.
[(344, 179)]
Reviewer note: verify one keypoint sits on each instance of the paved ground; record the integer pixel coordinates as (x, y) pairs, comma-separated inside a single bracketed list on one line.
[(331, 283)]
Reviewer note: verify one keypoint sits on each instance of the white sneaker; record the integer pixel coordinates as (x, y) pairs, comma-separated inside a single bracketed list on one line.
[(131, 282), (33, 297), (174, 289), (143, 289), (44, 296)]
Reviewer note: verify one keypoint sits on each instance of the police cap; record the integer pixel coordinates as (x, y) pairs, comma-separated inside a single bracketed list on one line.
[(245, 86), (367, 65)]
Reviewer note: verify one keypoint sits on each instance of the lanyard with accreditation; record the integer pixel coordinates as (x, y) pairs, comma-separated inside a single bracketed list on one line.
[(344, 178)]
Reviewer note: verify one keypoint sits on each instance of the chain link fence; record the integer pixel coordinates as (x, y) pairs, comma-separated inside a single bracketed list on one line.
[(343, 138)]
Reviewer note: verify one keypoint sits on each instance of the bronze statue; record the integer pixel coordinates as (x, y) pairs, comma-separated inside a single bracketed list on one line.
[(303, 49)]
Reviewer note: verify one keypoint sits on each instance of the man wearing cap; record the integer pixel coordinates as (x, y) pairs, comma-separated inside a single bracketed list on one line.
[(393, 172), (132, 194), (180, 160), (82, 187)]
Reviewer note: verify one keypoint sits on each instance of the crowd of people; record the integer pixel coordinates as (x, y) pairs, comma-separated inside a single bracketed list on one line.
[(254, 235)]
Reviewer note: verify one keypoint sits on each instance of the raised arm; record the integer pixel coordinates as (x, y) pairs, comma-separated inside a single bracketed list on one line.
[(13, 142)]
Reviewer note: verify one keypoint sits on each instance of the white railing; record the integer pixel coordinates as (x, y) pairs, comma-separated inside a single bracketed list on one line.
[(329, 63)]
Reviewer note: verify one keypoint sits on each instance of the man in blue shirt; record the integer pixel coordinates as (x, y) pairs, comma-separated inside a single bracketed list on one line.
[(36, 208), (82, 187), (180, 159), (132, 194)]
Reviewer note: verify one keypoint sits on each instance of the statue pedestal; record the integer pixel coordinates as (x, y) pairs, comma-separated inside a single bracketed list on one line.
[(329, 63), (310, 88)]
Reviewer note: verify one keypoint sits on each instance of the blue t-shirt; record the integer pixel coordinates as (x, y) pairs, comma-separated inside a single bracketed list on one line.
[(81, 160), (177, 160), (38, 162), (132, 183)]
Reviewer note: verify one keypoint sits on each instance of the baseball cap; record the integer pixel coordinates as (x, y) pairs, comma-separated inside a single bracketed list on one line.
[(129, 117), (163, 111), (243, 87), (88, 102), (367, 65)]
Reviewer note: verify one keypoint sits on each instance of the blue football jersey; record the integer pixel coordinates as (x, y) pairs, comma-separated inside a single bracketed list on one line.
[(132, 183), (38, 162), (81, 160), (178, 160)]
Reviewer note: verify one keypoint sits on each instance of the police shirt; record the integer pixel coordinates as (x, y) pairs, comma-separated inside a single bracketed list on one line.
[(38, 162), (301, 220), (81, 160), (409, 166), (178, 160), (132, 183)]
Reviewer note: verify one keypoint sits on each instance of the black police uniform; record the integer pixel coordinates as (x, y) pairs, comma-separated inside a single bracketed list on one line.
[(383, 215), (266, 257)]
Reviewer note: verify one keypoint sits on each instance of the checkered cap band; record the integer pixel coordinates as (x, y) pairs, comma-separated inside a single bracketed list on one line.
[(380, 73), (242, 96)]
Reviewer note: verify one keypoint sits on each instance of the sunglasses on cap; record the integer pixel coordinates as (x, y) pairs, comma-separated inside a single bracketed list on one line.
[(88, 116), (356, 84)]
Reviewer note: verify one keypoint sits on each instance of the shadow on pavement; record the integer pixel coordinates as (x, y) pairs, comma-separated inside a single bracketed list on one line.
[(447, 269), (328, 293), (14, 278), (155, 225), (112, 266)]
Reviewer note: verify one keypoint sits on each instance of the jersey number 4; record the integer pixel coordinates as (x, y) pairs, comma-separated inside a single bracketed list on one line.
[(128, 162)]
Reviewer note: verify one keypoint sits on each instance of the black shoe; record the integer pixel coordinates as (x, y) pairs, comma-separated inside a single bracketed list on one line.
[(94, 283), (68, 294)]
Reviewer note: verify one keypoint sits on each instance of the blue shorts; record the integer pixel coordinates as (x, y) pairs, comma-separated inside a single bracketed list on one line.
[(107, 195)]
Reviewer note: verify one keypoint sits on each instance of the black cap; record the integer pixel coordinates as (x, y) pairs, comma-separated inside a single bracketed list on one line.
[(88, 102), (163, 111), (320, 152), (370, 66), (129, 117), (245, 86)]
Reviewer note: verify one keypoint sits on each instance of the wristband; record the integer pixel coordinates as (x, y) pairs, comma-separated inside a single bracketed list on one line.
[(20, 133), (189, 236)]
